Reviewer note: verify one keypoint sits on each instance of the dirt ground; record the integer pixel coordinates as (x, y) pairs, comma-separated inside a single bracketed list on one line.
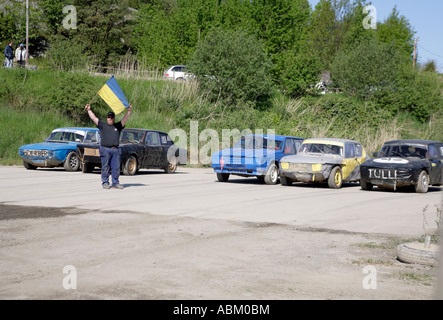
[(50, 253)]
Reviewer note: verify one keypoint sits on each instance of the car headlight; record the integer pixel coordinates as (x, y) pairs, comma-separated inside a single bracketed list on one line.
[(285, 165)]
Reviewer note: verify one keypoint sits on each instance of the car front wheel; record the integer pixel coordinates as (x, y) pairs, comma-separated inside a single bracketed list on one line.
[(422, 183), (271, 176), (223, 177), (29, 166), (130, 167), (72, 162), (285, 181), (335, 179), (366, 185), (172, 166)]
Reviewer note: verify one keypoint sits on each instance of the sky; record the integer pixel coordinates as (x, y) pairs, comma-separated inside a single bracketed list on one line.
[(424, 16)]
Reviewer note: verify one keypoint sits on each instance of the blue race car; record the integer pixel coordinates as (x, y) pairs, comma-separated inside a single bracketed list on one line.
[(59, 149), (255, 156)]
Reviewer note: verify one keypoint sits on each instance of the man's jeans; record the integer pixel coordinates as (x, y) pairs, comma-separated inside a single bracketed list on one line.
[(8, 63), (110, 164)]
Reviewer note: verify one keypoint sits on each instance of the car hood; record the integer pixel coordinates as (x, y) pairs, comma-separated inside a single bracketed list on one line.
[(386, 162), (313, 158), (245, 153), (49, 146)]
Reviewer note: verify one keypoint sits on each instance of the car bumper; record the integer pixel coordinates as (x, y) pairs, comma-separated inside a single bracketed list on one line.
[(305, 172), (42, 162), (389, 177), (241, 170)]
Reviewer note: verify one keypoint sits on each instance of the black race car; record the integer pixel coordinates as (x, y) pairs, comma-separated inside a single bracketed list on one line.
[(402, 163), (141, 149)]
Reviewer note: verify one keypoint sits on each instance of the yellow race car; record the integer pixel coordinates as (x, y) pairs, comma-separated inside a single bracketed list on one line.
[(324, 160)]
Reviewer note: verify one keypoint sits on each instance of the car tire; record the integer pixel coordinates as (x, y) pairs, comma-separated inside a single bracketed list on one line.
[(130, 167), (415, 252), (29, 166), (285, 181), (223, 177), (72, 162), (271, 176), (87, 168), (261, 179), (366, 185), (335, 179), (172, 166), (422, 185)]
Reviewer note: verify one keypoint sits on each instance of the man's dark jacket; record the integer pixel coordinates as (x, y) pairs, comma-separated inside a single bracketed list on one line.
[(9, 52)]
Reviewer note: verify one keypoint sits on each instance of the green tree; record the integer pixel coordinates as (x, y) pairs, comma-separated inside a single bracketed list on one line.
[(397, 30), (232, 66), (301, 71), (369, 66)]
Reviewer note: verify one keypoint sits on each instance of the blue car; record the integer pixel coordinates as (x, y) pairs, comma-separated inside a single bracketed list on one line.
[(59, 149), (255, 156)]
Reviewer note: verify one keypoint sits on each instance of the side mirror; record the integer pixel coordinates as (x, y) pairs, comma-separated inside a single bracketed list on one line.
[(375, 154)]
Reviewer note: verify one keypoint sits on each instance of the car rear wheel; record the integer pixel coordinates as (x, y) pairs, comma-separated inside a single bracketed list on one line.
[(223, 177), (72, 162), (422, 183), (335, 179), (366, 185), (271, 176), (29, 166), (285, 181), (172, 166), (87, 168), (130, 167)]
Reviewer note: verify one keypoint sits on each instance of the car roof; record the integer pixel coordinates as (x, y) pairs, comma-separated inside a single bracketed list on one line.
[(275, 136), (144, 130), (75, 128), (412, 141), (329, 140)]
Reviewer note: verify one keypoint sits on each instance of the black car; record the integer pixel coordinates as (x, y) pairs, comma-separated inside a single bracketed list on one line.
[(141, 149), (402, 163)]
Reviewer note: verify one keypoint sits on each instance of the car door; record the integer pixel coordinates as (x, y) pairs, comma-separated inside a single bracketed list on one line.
[(435, 153), (351, 162), (154, 149)]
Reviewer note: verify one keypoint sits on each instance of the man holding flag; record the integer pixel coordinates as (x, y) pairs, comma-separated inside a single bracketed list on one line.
[(110, 132)]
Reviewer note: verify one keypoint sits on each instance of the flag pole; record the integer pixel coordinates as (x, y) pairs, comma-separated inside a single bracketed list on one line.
[(94, 97)]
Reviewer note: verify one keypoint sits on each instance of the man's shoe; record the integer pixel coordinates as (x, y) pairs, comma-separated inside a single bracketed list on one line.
[(118, 186), (106, 186)]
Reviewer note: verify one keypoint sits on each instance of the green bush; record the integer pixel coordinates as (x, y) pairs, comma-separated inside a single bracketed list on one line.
[(233, 67), (73, 92)]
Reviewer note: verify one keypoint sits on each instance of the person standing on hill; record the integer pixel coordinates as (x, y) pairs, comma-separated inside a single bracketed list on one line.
[(20, 55), (9, 55), (109, 146)]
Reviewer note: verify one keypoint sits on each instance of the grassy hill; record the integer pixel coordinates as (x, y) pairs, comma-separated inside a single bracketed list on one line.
[(34, 102)]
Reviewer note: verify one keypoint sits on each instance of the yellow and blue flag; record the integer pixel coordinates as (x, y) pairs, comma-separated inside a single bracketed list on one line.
[(114, 96)]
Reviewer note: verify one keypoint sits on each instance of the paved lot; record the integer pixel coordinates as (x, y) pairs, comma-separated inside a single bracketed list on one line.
[(193, 192), (187, 236)]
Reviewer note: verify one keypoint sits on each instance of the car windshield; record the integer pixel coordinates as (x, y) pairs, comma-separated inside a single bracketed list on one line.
[(132, 136), (258, 143), (322, 148), (404, 151), (67, 136)]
